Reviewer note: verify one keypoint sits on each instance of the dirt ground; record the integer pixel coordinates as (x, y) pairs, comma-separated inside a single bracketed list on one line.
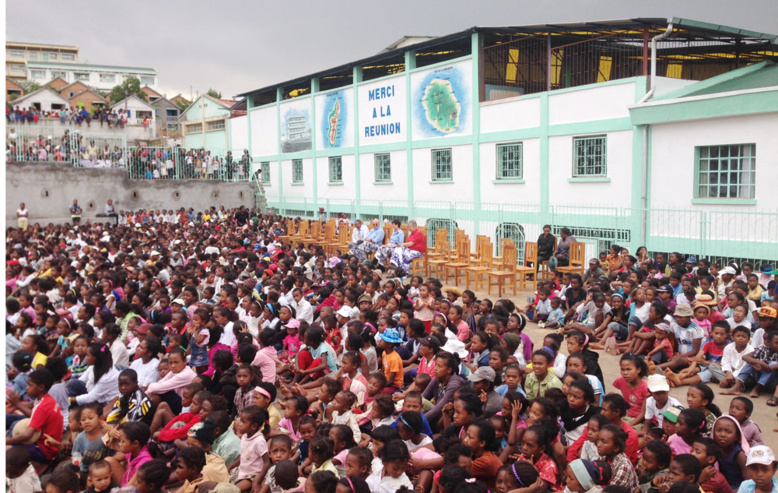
[(763, 415)]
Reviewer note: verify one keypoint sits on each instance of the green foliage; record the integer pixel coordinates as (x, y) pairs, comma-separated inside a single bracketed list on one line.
[(214, 93), (29, 86), (125, 89)]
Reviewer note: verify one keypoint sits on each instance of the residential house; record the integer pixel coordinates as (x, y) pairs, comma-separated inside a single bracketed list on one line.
[(151, 94), (88, 99), (12, 90), (72, 89), (205, 124), (137, 111), (57, 84), (100, 77), (44, 99), (168, 114)]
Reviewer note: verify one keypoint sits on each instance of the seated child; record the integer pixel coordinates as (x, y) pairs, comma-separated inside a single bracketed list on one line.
[(556, 317), (19, 471), (88, 447), (741, 408), (707, 451), (100, 480), (177, 428), (134, 404), (254, 457), (653, 465), (762, 466), (761, 365)]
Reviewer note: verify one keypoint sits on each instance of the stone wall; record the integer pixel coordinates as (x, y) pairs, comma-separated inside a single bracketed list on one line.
[(48, 190)]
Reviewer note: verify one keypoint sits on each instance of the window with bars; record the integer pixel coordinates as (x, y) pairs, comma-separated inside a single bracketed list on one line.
[(194, 128), (216, 125), (336, 169), (441, 165), (727, 171), (509, 161), (589, 156), (265, 177), (383, 167), (297, 170)]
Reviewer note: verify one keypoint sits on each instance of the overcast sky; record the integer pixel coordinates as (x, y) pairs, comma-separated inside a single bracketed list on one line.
[(236, 46)]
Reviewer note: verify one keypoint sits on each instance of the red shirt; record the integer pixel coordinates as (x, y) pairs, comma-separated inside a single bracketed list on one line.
[(634, 397), (419, 241), (47, 418)]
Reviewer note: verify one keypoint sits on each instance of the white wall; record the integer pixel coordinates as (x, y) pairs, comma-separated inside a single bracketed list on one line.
[(348, 190), (397, 190), (239, 132), (44, 98), (672, 158), (588, 104), (522, 193), (461, 190), (616, 193), (297, 191), (510, 114), (264, 131)]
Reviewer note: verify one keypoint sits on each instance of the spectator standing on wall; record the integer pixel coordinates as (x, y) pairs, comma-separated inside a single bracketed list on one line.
[(110, 211), (75, 212), (22, 216)]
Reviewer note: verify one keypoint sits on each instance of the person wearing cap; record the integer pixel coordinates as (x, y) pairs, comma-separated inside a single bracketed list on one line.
[(392, 362), (453, 294), (322, 215), (727, 280), (483, 383), (761, 466), (594, 271), (657, 403)]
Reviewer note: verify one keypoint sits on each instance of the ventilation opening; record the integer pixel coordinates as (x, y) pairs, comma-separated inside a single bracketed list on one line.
[(176, 195), (135, 195), (240, 194), (215, 194), (91, 205), (45, 193)]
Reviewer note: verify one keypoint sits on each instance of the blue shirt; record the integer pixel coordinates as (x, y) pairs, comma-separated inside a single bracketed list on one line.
[(397, 237), (377, 235), (748, 486)]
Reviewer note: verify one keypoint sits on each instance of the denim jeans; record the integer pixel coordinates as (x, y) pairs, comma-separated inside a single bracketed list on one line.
[(763, 378)]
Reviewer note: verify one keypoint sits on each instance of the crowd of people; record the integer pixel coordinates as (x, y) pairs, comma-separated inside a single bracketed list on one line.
[(74, 115), (216, 355)]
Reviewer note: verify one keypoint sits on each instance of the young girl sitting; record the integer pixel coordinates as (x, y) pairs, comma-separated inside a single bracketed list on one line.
[(394, 456), (534, 449), (632, 383), (254, 460), (611, 446), (734, 449)]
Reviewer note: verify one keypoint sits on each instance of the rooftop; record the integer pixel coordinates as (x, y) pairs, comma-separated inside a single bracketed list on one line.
[(12, 44), (86, 66), (515, 59)]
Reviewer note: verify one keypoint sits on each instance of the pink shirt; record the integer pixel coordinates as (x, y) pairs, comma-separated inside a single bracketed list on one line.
[(173, 381), (428, 368), (266, 360), (251, 452), (634, 397), (463, 331), (678, 445)]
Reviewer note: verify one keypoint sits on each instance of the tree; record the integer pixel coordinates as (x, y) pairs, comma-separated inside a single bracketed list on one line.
[(214, 93), (29, 86), (125, 89)]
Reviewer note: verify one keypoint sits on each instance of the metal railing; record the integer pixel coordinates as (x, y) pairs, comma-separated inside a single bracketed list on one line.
[(33, 143), (703, 233), (177, 163)]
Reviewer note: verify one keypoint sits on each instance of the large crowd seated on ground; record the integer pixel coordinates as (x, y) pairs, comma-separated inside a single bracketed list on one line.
[(219, 352)]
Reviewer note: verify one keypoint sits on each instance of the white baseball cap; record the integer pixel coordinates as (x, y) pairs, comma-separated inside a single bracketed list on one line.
[(658, 383), (760, 454)]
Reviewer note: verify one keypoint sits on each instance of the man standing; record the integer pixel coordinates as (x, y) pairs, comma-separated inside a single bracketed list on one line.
[(75, 212), (374, 239), (22, 216), (110, 211)]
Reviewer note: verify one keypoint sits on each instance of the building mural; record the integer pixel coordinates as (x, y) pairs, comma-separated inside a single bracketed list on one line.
[(335, 120), (440, 101), (296, 132)]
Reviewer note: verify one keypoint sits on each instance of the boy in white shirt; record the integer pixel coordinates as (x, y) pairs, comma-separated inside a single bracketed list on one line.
[(659, 402)]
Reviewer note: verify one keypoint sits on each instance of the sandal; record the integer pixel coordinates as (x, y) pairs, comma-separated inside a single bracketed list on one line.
[(772, 401)]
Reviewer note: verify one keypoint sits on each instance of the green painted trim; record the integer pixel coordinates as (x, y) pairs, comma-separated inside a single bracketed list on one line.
[(295, 184), (724, 201), (475, 69), (356, 78), (544, 158), (508, 136), (314, 92), (587, 179), (441, 182), (705, 84), (597, 126), (278, 143), (383, 183), (410, 63), (637, 183), (335, 183), (378, 148), (519, 181), (762, 101), (443, 142)]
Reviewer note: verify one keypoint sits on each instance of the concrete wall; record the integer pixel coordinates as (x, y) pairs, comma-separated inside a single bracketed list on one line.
[(48, 191)]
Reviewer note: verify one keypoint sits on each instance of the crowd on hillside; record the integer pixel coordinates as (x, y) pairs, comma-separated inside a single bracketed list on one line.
[(73, 116), (216, 355)]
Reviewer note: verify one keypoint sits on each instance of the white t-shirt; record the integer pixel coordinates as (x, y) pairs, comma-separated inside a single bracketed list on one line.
[(22, 213), (147, 373), (653, 411)]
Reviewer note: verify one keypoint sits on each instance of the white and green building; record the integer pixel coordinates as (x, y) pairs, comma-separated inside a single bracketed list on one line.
[(501, 130)]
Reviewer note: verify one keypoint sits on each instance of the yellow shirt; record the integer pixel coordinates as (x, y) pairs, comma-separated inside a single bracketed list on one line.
[(325, 466)]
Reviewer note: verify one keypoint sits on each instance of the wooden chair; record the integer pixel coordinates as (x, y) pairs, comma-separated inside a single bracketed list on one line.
[(436, 261), (480, 269), (507, 276), (328, 238), (530, 257), (291, 234), (497, 260), (577, 259), (459, 262)]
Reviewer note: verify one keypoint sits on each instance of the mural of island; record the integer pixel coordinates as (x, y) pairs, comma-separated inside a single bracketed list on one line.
[(334, 128), (441, 101)]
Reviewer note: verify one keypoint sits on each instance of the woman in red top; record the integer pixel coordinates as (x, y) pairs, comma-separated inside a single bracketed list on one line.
[(412, 249)]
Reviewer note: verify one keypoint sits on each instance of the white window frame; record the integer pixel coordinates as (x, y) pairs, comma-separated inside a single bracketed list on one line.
[(501, 152), (18, 54), (68, 57), (37, 74), (383, 167), (725, 172), (297, 171), (335, 166), (439, 158), (265, 175), (585, 158), (147, 80), (79, 76), (107, 77), (216, 125)]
